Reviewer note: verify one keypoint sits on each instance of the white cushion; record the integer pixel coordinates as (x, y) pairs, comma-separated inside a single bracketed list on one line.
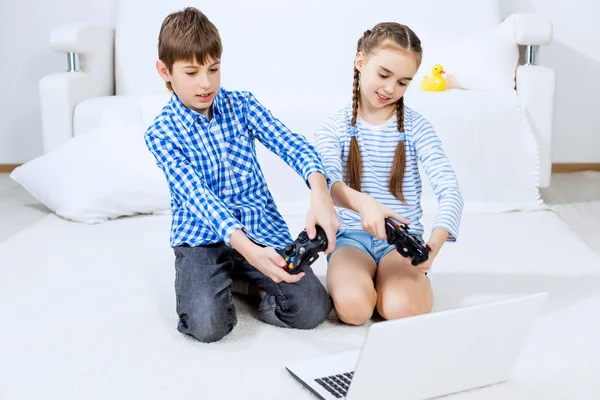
[(104, 174), (490, 144), (151, 106), (89, 113), (484, 61)]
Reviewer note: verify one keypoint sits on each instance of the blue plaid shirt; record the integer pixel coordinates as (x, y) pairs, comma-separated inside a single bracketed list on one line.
[(216, 183)]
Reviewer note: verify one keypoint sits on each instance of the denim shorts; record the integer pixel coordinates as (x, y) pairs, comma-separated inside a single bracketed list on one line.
[(365, 242)]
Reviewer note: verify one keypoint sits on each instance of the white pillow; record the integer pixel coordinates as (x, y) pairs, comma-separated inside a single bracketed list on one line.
[(101, 175), (486, 61), (151, 105)]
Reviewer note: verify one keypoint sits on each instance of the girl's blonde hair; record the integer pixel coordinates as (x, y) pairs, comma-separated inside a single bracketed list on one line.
[(373, 39)]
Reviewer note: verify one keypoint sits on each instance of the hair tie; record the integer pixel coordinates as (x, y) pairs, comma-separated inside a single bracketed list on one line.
[(352, 131)]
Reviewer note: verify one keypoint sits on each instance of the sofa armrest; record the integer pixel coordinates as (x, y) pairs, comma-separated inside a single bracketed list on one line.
[(531, 29), (59, 95), (93, 75), (536, 88), (79, 37)]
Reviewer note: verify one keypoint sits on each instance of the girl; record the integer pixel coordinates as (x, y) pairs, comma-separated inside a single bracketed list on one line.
[(371, 150)]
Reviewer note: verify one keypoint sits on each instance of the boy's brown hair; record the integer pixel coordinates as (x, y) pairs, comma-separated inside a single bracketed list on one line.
[(188, 35)]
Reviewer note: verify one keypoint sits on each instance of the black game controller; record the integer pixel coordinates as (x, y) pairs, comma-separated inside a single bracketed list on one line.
[(406, 244), (303, 251)]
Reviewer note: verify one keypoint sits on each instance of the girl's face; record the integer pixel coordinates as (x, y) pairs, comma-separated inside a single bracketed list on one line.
[(385, 75)]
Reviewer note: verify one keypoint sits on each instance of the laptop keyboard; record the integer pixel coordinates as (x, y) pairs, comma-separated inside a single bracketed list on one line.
[(337, 385)]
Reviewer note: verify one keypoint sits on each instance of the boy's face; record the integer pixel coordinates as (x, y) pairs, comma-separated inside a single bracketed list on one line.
[(195, 84)]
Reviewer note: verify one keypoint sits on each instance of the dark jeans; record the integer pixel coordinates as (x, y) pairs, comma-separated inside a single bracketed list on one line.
[(203, 278)]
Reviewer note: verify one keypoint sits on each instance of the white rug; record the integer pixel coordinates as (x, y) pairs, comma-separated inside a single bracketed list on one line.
[(88, 312)]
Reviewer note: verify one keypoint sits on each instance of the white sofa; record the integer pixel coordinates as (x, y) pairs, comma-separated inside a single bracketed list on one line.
[(297, 59)]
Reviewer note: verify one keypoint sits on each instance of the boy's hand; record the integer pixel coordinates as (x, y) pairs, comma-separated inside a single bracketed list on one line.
[(264, 259), (373, 215), (271, 264), (321, 211)]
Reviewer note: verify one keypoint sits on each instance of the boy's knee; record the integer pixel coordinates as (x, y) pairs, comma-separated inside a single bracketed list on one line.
[(208, 325), (310, 308)]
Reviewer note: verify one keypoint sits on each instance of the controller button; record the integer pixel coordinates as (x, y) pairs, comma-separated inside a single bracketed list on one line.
[(291, 266), (302, 250)]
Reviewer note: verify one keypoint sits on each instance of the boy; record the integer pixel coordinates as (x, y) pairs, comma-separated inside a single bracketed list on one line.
[(225, 224)]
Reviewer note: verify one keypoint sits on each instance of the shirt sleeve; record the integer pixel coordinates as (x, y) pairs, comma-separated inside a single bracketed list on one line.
[(292, 148), (441, 177), (328, 147), (186, 182)]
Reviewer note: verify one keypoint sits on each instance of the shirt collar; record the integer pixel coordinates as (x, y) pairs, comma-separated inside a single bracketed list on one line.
[(188, 117)]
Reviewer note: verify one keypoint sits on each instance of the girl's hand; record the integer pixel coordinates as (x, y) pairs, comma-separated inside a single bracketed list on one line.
[(433, 252), (373, 215), (435, 243)]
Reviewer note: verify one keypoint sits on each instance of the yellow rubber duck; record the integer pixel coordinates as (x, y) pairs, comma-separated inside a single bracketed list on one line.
[(436, 83)]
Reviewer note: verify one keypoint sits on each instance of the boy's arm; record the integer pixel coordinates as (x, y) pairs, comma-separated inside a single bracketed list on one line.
[(443, 182), (321, 211), (299, 154), (185, 181), (292, 148)]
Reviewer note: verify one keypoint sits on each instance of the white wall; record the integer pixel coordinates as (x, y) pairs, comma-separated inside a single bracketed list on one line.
[(25, 27), (26, 24), (574, 55)]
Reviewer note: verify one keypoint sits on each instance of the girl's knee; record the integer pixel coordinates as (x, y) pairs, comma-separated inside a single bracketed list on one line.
[(395, 305), (353, 306)]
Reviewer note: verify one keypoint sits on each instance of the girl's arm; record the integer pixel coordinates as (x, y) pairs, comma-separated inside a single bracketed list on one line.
[(346, 197), (329, 148), (372, 212), (443, 181), (328, 144)]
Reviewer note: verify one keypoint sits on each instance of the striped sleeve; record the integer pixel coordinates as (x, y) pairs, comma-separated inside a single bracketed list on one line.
[(441, 176), (185, 180), (291, 147), (329, 148)]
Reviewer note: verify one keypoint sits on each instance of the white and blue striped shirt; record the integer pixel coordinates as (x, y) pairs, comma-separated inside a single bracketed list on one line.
[(216, 183), (377, 145)]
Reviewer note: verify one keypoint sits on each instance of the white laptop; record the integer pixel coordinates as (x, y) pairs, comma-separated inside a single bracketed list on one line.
[(428, 355)]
